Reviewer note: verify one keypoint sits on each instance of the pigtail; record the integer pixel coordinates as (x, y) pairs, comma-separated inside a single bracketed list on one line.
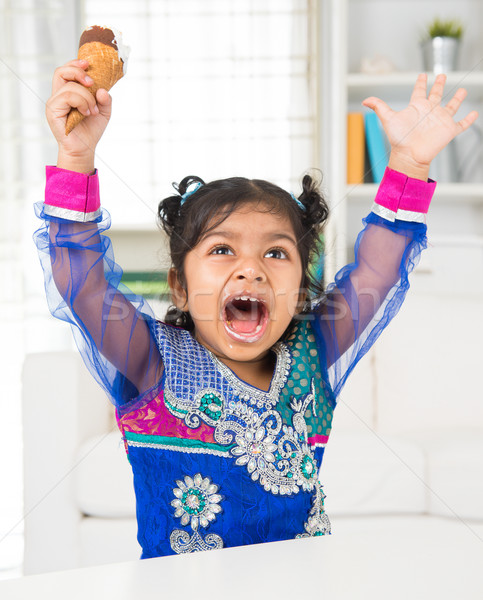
[(171, 219), (185, 183), (169, 209), (316, 208), (314, 217)]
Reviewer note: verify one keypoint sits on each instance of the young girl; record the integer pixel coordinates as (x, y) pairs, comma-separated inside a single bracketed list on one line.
[(226, 407)]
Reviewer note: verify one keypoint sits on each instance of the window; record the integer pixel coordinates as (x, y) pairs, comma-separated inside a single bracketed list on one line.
[(214, 88)]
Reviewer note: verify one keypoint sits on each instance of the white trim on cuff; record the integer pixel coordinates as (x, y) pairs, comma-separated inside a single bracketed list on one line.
[(401, 215), (71, 215)]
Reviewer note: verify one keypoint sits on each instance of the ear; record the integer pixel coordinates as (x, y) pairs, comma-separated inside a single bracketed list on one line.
[(178, 293)]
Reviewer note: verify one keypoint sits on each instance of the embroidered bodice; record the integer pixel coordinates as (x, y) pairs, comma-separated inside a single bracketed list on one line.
[(260, 451)]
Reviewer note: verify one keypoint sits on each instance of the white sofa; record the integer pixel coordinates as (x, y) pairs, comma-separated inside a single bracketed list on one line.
[(80, 504), (405, 457)]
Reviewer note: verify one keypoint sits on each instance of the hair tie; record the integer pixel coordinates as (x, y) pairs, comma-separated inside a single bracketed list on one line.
[(300, 205), (189, 193)]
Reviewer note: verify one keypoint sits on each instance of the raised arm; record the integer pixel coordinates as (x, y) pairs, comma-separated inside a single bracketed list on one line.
[(368, 293), (112, 327)]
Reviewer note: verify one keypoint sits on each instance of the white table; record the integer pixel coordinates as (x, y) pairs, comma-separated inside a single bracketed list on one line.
[(317, 568)]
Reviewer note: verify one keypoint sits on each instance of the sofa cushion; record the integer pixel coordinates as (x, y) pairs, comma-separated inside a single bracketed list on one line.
[(103, 478), (363, 474)]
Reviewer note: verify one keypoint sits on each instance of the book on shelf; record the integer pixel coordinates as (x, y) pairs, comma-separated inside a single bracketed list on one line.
[(367, 148), (355, 147), (376, 146)]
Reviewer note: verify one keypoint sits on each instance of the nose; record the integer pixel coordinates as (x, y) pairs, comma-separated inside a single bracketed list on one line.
[(250, 271)]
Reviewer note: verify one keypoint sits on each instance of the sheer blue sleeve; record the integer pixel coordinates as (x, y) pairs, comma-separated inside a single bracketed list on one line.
[(113, 328), (368, 293)]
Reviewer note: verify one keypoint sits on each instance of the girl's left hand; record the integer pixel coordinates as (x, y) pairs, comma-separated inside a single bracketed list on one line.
[(420, 131)]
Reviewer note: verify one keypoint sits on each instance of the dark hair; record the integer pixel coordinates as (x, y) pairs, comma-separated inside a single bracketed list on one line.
[(186, 223)]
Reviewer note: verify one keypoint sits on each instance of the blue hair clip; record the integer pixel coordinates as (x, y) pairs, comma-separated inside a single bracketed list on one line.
[(189, 193), (300, 205)]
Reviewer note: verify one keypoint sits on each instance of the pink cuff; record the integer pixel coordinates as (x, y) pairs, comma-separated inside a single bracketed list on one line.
[(71, 195), (404, 198)]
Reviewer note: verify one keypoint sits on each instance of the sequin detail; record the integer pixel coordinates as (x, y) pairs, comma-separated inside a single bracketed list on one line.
[(196, 503), (207, 406), (267, 429), (318, 522), (276, 455), (182, 543)]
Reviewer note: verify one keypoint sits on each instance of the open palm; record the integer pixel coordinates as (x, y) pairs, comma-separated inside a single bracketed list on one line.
[(421, 130)]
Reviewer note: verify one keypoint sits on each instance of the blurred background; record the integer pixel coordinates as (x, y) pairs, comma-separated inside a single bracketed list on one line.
[(262, 89)]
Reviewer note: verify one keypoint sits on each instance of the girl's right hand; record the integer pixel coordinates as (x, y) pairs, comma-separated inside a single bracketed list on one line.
[(70, 89)]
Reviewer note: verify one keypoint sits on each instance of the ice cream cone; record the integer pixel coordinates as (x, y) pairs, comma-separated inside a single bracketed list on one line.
[(106, 66)]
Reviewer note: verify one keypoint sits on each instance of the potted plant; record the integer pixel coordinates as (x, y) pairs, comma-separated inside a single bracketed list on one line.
[(440, 45)]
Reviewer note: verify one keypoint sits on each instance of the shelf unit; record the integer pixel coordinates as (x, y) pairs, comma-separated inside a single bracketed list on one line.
[(342, 89), (398, 85)]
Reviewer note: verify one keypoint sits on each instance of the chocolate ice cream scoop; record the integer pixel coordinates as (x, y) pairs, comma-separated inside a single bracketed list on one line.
[(107, 56)]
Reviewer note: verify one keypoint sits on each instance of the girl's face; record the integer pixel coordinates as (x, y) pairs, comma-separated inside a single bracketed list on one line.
[(243, 283)]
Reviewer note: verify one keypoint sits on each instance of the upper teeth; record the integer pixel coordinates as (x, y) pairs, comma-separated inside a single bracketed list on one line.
[(246, 298)]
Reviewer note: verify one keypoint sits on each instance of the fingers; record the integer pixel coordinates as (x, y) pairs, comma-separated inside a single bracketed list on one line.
[(420, 88), (70, 89), (72, 95), (467, 121), (382, 110), (103, 98), (455, 102), (436, 93), (71, 71), (104, 102)]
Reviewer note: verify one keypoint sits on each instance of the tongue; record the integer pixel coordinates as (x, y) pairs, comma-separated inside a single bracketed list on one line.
[(242, 321)]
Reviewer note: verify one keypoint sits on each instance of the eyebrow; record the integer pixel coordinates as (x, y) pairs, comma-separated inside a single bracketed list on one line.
[(229, 234)]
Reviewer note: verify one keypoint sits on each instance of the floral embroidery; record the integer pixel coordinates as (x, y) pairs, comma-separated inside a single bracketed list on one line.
[(196, 501), (318, 522), (276, 455), (307, 467), (255, 449)]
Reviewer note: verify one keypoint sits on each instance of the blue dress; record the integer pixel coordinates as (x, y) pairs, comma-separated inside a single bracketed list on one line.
[(217, 462)]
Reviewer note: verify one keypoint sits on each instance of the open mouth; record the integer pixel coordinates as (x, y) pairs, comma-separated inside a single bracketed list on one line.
[(245, 318)]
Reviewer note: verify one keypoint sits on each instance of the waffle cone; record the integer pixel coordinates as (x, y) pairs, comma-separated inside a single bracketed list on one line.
[(105, 68)]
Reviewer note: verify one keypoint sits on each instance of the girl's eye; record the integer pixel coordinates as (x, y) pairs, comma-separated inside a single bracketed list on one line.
[(276, 253), (221, 250)]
